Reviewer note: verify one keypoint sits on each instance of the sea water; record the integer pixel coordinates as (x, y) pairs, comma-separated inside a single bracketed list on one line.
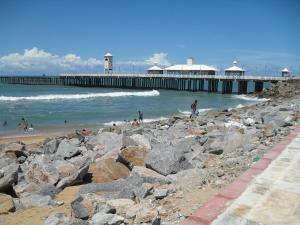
[(50, 106)]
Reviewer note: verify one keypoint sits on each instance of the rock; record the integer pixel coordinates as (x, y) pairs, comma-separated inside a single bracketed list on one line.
[(77, 176), (6, 204), (216, 147), (127, 192), (35, 200), (34, 149), (136, 140), (78, 210), (106, 219), (133, 156), (197, 131), (160, 193), (141, 214), (14, 150), (41, 170), (61, 219), (130, 132), (21, 159), (202, 140), (105, 143), (104, 208), (10, 176), (289, 120), (48, 189), (169, 159), (114, 186), (68, 149), (107, 170), (144, 190), (248, 122), (140, 175), (189, 179), (51, 146), (121, 205)]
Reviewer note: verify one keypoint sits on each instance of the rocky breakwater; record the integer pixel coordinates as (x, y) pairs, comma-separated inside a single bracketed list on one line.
[(142, 175)]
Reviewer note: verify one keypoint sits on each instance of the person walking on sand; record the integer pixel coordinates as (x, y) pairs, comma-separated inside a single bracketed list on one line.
[(141, 116), (194, 108)]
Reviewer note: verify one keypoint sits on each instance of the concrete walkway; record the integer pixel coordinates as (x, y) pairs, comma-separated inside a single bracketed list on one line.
[(266, 194)]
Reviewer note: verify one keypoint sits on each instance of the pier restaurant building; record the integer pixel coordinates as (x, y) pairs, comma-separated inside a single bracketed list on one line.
[(191, 68), (235, 70)]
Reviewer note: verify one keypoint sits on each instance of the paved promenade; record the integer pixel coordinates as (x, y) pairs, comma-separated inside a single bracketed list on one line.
[(266, 194)]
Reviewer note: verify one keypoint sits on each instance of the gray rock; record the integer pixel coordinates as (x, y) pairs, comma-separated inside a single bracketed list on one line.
[(42, 170), (107, 219), (189, 179), (76, 177), (114, 186), (136, 140), (169, 159), (51, 146), (67, 149), (144, 190), (35, 200), (105, 143), (48, 189), (127, 192), (10, 176), (140, 175), (202, 140), (130, 132), (160, 193), (104, 209), (61, 219), (21, 159), (78, 210)]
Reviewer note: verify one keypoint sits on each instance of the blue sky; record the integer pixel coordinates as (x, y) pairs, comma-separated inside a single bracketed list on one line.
[(71, 36)]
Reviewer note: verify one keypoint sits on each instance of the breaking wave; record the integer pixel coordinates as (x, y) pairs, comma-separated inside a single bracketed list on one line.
[(124, 122), (80, 96), (199, 110), (251, 98)]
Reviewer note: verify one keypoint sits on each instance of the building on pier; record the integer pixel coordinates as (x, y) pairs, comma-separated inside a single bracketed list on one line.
[(191, 68), (285, 72), (234, 70), (155, 70), (108, 63)]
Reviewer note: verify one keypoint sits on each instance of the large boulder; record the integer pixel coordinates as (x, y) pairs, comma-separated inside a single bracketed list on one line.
[(50, 147), (42, 170), (107, 170), (78, 175), (136, 140), (105, 144), (169, 159), (133, 156), (69, 148), (9, 176), (6, 204)]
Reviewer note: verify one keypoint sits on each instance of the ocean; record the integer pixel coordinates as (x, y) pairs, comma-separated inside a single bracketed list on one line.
[(49, 106)]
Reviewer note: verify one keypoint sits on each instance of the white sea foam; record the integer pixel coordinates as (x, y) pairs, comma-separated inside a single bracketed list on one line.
[(251, 98), (129, 122), (239, 106), (80, 96), (189, 112)]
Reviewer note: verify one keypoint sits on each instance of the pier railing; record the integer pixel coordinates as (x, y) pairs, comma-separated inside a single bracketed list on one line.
[(180, 76)]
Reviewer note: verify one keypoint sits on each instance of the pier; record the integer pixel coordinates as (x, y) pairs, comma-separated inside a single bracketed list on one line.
[(210, 83)]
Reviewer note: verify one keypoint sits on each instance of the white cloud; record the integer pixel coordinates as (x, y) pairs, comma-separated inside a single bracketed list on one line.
[(35, 60), (38, 60), (159, 59)]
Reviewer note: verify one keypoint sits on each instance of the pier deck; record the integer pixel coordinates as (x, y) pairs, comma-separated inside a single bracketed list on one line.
[(210, 83)]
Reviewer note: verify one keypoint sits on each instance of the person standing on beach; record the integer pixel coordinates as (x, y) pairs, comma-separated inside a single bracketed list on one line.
[(141, 116), (194, 108)]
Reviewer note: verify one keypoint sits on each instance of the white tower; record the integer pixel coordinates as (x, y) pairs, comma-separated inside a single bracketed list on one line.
[(108, 63)]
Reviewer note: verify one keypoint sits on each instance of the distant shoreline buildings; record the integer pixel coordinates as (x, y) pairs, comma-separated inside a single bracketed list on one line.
[(190, 68)]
